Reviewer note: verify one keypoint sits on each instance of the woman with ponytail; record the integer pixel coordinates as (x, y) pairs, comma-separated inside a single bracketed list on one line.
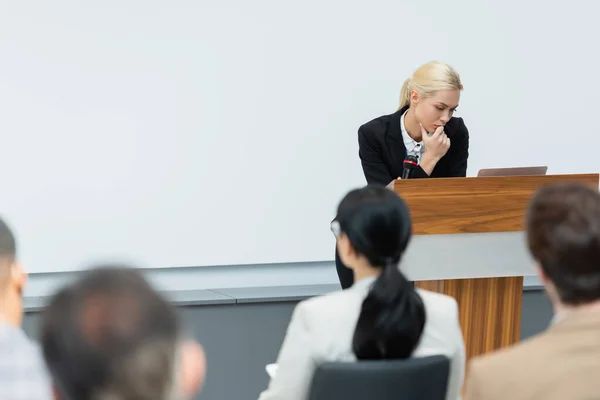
[(423, 126), (381, 316)]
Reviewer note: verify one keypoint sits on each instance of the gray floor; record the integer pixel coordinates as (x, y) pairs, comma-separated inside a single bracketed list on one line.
[(240, 339)]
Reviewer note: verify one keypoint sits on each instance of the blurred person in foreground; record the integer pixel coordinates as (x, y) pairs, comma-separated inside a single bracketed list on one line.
[(110, 336), (563, 235), (23, 374)]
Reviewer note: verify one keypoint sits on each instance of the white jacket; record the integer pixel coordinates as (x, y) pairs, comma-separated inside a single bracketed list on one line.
[(322, 328)]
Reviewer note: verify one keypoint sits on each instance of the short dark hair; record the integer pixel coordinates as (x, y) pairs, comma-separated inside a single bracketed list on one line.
[(8, 245), (110, 335), (8, 251), (563, 235)]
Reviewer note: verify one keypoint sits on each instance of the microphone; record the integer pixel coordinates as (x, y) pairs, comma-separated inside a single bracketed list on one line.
[(410, 163)]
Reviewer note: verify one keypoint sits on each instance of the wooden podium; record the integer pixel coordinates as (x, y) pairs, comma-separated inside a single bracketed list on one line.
[(480, 215)]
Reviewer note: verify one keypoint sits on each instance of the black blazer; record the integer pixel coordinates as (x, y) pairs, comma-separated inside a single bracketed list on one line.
[(382, 150)]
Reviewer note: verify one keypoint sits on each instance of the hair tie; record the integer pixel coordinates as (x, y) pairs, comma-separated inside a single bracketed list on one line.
[(389, 261)]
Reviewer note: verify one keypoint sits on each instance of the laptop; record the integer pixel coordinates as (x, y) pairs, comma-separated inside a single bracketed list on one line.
[(516, 171)]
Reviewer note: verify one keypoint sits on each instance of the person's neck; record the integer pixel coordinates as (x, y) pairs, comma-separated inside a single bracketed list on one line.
[(365, 271), (412, 125), (561, 308), (5, 319), (7, 314)]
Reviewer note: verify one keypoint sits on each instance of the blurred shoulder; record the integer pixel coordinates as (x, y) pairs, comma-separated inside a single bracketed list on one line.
[(338, 300), (439, 304), (437, 299), (516, 358)]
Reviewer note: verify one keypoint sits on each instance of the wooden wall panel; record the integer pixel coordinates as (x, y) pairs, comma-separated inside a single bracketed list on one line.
[(489, 310)]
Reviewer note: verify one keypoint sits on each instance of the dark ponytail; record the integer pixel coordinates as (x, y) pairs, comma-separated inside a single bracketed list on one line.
[(378, 225), (391, 319)]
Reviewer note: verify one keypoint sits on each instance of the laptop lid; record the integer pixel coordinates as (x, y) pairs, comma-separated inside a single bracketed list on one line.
[(515, 171)]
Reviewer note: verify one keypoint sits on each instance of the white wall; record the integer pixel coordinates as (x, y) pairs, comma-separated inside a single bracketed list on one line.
[(190, 133)]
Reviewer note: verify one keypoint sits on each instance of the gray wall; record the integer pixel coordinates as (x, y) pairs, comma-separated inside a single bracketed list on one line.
[(240, 339), (537, 313)]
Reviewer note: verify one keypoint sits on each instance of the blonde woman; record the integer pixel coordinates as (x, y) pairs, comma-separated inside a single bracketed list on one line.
[(424, 126)]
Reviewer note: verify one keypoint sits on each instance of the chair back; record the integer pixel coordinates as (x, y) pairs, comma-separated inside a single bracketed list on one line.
[(423, 378)]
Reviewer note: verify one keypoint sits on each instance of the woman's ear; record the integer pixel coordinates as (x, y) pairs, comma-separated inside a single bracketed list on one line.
[(414, 98), (345, 249)]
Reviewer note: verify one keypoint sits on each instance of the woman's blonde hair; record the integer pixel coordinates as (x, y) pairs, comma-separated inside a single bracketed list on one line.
[(428, 79)]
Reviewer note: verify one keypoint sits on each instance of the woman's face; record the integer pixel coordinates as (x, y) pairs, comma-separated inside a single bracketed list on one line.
[(435, 111)]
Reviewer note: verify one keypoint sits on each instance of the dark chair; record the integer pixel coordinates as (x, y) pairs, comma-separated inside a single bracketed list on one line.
[(411, 379)]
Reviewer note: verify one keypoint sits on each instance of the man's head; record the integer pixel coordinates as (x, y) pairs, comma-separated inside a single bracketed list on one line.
[(12, 278), (111, 336), (563, 234)]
